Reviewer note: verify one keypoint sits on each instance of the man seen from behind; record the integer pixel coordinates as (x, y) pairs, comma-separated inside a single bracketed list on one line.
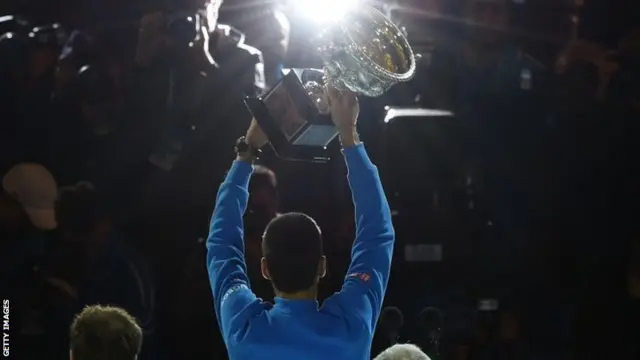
[(296, 326), (105, 333)]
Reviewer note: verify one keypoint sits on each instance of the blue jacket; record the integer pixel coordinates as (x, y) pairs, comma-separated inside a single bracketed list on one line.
[(343, 327)]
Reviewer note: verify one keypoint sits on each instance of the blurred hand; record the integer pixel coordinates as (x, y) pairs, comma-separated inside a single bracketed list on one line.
[(344, 109), (256, 138)]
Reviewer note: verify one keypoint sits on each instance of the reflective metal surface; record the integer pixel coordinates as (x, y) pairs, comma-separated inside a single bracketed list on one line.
[(364, 52), (318, 96)]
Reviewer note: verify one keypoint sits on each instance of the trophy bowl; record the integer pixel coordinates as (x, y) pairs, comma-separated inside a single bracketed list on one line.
[(363, 52)]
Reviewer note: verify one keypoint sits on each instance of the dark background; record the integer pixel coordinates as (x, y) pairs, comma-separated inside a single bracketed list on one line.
[(560, 280)]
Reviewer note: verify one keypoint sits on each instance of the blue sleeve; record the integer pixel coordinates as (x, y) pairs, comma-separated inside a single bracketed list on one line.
[(363, 291), (225, 248)]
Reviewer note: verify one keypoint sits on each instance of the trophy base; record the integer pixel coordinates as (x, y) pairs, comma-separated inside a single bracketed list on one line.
[(298, 127)]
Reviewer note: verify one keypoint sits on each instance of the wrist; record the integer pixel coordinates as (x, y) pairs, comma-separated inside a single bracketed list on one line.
[(245, 151), (247, 157), (349, 137)]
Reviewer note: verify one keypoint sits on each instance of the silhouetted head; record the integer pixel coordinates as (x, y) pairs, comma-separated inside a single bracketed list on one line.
[(263, 190), (105, 332), (403, 352), (292, 253)]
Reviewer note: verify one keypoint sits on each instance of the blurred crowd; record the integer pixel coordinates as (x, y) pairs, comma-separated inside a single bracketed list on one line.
[(117, 123)]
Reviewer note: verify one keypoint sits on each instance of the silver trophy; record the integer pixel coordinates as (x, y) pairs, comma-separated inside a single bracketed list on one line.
[(363, 52)]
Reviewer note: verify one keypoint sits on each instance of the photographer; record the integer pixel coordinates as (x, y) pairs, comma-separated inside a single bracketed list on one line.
[(190, 78), (153, 81), (87, 103), (199, 71)]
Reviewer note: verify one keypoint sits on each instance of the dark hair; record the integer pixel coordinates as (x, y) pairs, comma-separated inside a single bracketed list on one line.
[(292, 246), (78, 209), (105, 333)]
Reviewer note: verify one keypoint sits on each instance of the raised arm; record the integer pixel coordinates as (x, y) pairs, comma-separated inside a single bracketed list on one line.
[(225, 244), (363, 291), (368, 274)]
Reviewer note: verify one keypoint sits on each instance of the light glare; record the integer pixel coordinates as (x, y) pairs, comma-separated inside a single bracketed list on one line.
[(323, 10)]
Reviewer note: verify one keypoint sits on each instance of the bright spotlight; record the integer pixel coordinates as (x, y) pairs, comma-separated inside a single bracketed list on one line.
[(321, 11)]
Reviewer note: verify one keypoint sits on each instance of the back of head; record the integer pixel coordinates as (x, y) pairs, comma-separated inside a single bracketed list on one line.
[(391, 317), (403, 352), (292, 247), (430, 319), (105, 333)]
